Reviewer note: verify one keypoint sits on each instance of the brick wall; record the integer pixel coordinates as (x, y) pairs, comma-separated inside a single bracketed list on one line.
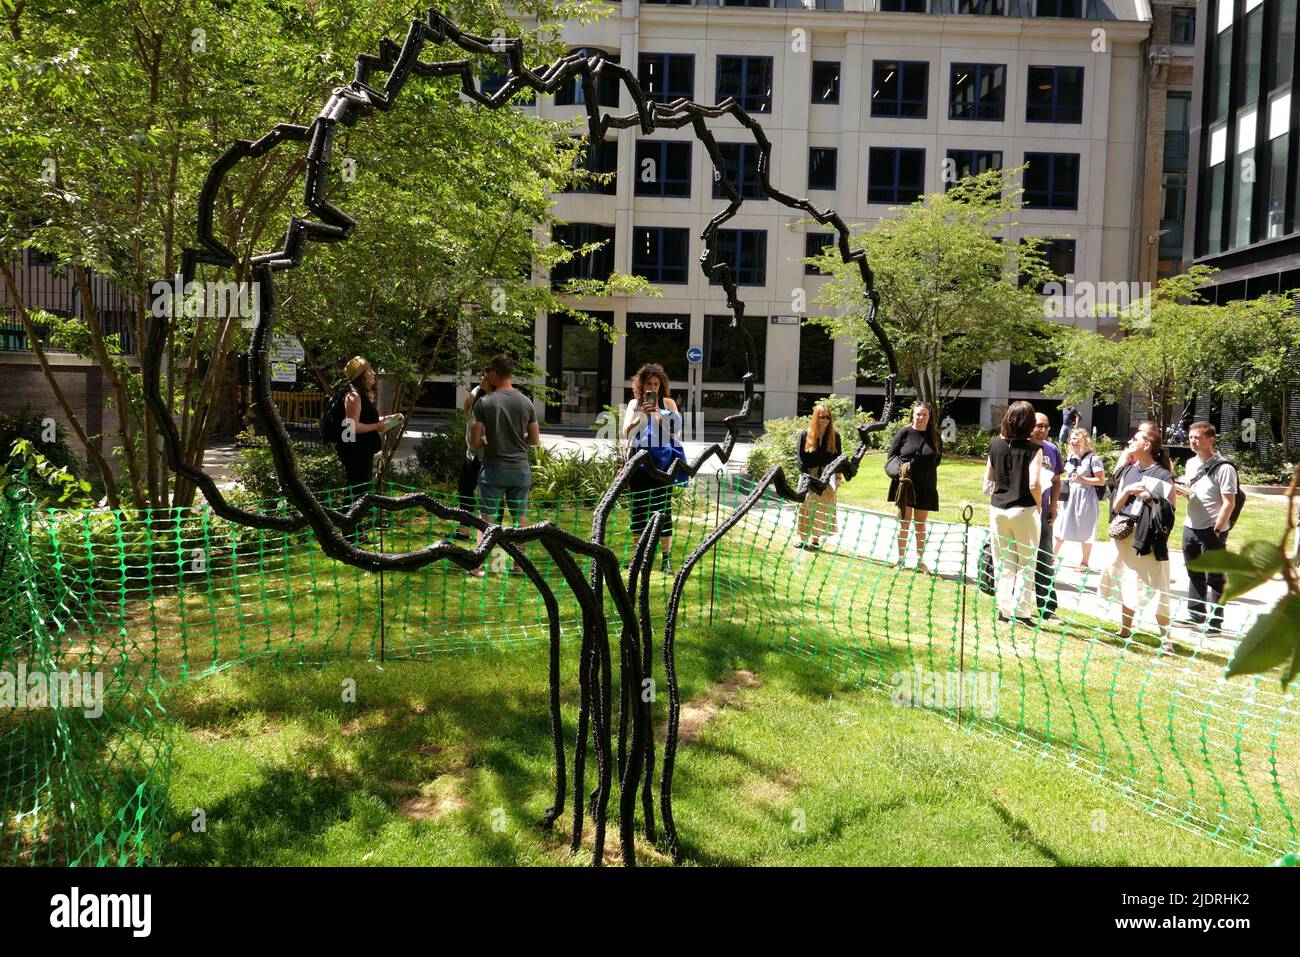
[(83, 386)]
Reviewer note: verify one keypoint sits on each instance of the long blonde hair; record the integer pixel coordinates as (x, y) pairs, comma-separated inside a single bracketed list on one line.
[(1085, 442), (817, 431)]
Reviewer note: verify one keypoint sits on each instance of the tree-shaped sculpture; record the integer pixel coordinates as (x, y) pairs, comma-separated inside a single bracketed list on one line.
[(348, 104)]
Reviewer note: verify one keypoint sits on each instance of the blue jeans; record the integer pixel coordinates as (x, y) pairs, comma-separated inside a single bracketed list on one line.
[(512, 485)]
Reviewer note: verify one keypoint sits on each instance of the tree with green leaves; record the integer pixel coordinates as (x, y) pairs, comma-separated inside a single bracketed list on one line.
[(952, 296), (1173, 342), (114, 111)]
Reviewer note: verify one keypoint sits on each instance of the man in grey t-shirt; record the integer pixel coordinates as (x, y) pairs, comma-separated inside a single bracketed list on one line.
[(503, 423), (1210, 487)]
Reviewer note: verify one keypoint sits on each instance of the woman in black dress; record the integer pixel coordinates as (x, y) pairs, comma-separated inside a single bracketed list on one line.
[(916, 490), (819, 445)]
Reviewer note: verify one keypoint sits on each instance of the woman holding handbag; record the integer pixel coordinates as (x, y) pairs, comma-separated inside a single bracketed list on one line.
[(819, 445), (652, 422), (1142, 514), (913, 469)]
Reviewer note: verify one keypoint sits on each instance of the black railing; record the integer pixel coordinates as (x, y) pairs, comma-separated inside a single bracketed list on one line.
[(43, 285)]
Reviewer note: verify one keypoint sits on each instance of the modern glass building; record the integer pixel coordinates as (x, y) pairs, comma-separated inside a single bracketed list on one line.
[(1244, 142)]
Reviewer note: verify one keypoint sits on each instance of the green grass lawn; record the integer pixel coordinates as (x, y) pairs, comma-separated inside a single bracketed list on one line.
[(449, 762), (812, 764), (961, 482)]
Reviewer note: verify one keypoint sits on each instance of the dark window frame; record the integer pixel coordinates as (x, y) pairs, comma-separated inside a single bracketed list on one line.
[(747, 179), (897, 106), (980, 111), (835, 98), (900, 194), (1056, 110), (663, 181), (813, 245), (666, 60), (823, 151), (607, 84), (1052, 173), (609, 149), (742, 95), (730, 250), (957, 154), (658, 270)]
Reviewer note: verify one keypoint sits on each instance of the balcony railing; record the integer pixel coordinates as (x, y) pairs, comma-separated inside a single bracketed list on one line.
[(42, 285)]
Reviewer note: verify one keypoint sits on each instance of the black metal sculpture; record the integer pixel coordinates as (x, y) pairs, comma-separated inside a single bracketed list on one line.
[(346, 105)]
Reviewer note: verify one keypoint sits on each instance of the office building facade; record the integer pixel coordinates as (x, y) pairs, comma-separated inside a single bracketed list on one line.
[(866, 105)]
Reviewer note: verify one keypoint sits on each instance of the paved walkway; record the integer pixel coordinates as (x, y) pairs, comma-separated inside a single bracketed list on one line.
[(873, 535)]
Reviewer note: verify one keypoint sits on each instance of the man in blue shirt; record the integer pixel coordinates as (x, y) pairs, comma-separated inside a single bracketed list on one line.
[(1045, 574)]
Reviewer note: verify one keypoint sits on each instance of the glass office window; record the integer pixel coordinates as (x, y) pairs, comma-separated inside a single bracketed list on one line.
[(745, 250), (826, 81), (740, 167), (962, 163), (1054, 95), (814, 244), (1051, 180), (597, 264), (602, 159), (607, 84), (821, 167), (747, 79), (663, 168), (899, 88), (665, 77), (895, 175), (724, 355), (1182, 25), (661, 254), (1243, 186), (977, 91), (816, 357)]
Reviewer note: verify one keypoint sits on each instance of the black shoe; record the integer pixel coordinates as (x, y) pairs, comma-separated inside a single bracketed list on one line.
[(800, 545)]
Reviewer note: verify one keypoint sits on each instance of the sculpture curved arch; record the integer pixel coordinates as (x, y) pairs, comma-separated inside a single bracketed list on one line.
[(347, 105)]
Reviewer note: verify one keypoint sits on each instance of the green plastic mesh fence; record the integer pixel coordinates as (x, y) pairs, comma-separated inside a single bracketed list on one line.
[(105, 611)]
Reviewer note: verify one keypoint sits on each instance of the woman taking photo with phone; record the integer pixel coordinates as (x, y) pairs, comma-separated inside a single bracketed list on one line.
[(652, 422)]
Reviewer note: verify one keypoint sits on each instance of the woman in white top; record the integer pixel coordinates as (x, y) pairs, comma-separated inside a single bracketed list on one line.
[(1131, 579)]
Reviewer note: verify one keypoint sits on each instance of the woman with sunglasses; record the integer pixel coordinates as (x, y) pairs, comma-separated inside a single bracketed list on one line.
[(819, 445)]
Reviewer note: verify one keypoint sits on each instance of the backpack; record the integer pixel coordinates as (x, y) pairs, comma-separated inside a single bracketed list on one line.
[(1240, 501), (331, 418)]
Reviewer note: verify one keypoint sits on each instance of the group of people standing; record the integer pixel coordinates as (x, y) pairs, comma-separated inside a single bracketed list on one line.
[(1036, 492), (1041, 495), (1044, 495)]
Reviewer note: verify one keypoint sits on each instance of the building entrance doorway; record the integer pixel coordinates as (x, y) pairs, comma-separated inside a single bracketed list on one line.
[(578, 365)]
